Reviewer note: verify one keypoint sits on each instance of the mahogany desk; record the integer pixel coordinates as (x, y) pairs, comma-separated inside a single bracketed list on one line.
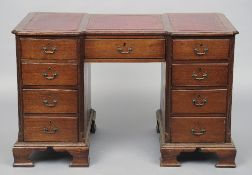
[(54, 53)]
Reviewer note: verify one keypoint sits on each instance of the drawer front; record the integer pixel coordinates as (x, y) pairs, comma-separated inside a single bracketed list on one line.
[(49, 48), (125, 48), (200, 49), (194, 129), (50, 101), (199, 74), (63, 129), (199, 101), (49, 74)]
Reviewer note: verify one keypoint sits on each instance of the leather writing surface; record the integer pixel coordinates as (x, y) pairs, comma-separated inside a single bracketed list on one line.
[(207, 22), (54, 22), (125, 22)]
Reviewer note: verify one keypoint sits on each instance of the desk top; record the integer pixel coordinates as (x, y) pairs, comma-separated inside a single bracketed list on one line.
[(40, 23)]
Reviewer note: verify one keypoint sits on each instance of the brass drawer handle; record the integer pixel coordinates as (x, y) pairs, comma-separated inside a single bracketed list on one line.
[(198, 133), (49, 49), (50, 103), (122, 51), (201, 50), (199, 101), (200, 75), (51, 129), (53, 74)]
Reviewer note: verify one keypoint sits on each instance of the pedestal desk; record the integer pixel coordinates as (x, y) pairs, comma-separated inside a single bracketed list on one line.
[(54, 53)]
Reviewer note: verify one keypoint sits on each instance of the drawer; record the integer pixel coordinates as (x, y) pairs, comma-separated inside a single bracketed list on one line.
[(200, 74), (199, 101), (197, 130), (124, 48), (54, 129), (200, 49), (49, 48), (49, 73), (50, 101)]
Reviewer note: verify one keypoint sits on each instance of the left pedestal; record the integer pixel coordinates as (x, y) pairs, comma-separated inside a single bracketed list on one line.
[(54, 104)]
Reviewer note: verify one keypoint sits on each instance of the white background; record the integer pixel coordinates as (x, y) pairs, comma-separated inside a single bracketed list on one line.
[(126, 96)]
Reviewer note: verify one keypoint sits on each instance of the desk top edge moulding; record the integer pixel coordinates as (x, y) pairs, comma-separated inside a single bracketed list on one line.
[(54, 56), (45, 23)]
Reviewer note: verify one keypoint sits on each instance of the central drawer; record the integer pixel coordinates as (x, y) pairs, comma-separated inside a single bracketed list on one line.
[(124, 48), (50, 101)]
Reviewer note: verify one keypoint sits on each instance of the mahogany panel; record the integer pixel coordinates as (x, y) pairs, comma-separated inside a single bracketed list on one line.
[(62, 129), (124, 48), (215, 74), (49, 48), (201, 49), (196, 130), (50, 101), (49, 73), (199, 101)]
